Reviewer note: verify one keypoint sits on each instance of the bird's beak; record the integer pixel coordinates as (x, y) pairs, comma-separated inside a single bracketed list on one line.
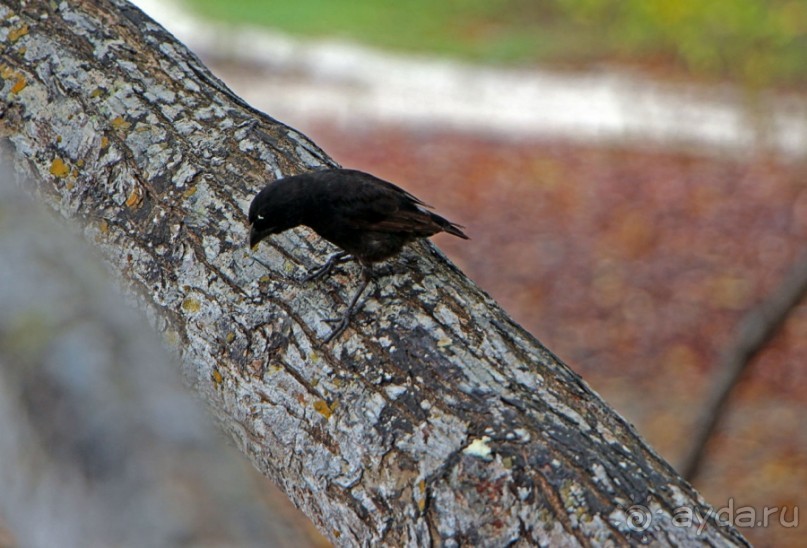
[(254, 237)]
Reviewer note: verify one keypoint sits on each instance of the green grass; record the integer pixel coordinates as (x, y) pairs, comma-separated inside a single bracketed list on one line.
[(474, 29), (756, 42)]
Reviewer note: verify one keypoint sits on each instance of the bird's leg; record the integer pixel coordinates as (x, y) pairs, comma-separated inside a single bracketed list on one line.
[(325, 269), (344, 321)]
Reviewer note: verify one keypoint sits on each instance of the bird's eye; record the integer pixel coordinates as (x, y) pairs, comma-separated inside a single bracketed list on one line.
[(260, 217)]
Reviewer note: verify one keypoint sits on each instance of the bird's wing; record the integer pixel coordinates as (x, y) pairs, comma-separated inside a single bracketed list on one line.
[(383, 207)]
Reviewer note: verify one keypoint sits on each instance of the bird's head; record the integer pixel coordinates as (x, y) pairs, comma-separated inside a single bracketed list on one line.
[(275, 209)]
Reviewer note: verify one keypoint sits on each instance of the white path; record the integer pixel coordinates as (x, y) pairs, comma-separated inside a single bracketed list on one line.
[(296, 81)]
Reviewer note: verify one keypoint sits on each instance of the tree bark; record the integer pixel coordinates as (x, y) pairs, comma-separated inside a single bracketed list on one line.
[(433, 419)]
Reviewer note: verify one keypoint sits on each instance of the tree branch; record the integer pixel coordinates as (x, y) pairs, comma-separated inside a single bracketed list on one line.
[(754, 331), (101, 444), (433, 419)]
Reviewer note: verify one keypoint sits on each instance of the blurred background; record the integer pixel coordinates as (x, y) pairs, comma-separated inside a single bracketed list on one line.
[(631, 173)]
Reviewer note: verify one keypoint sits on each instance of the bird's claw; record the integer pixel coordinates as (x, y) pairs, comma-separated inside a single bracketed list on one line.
[(340, 328), (325, 269)]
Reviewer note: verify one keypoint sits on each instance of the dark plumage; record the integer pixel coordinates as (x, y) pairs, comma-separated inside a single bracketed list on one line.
[(369, 218)]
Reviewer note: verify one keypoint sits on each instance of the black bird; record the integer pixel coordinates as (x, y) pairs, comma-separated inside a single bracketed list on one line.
[(368, 218)]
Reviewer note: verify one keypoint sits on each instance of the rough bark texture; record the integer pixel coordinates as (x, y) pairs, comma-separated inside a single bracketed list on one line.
[(433, 419)]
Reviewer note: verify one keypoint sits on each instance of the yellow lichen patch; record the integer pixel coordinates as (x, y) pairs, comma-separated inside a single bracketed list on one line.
[(58, 168), (96, 93), (74, 174), (216, 377), (189, 192), (479, 448), (191, 305), (230, 337), (135, 197), (80, 162), (16, 34), (104, 141), (103, 226), (421, 495), (71, 184), (119, 123), (322, 407), (19, 85)]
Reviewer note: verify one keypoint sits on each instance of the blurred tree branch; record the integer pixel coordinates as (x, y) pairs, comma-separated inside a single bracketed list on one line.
[(102, 445), (755, 330), (434, 419)]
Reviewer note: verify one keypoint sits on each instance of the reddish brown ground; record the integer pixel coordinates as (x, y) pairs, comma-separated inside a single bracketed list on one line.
[(633, 266)]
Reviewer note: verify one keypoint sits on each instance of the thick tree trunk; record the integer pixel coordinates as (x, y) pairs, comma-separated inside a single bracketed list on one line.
[(433, 419)]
